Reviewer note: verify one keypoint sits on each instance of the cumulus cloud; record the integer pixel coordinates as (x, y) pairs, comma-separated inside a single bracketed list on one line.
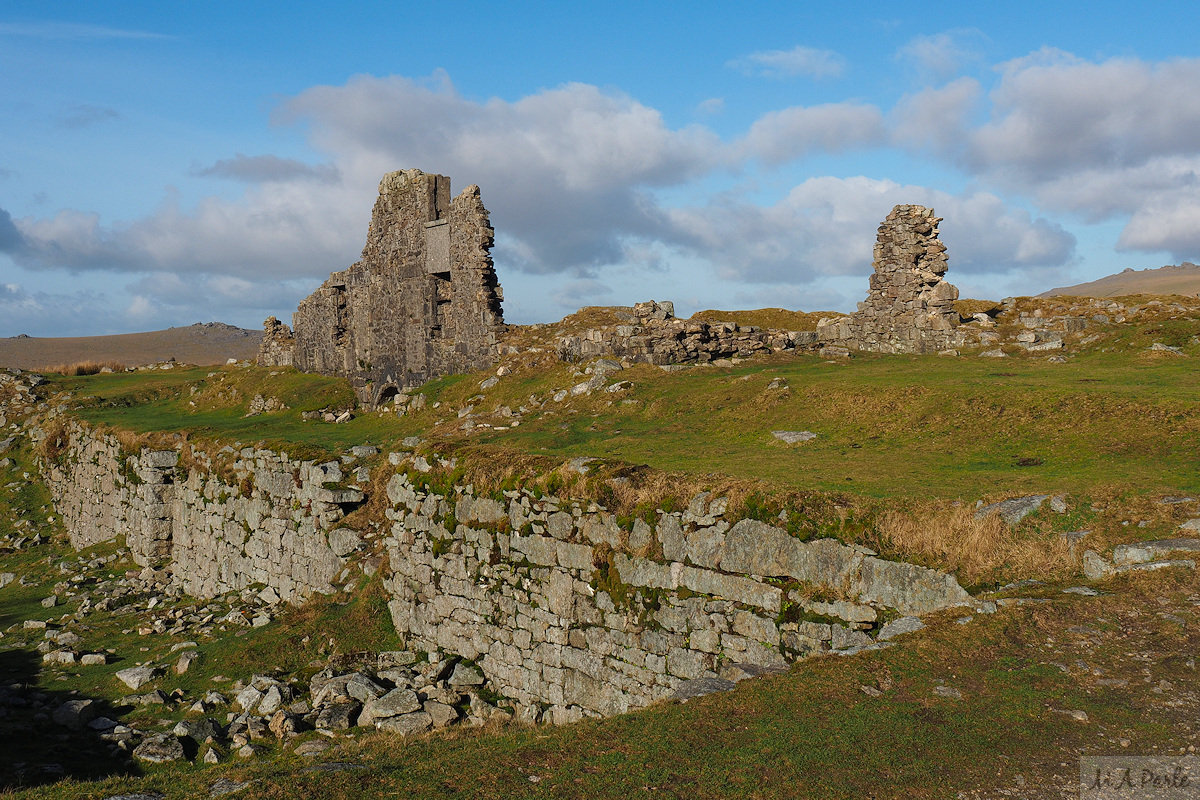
[(800, 60), (268, 169), (825, 226), (567, 172), (85, 116), (780, 136), (935, 118), (11, 240), (1054, 114)]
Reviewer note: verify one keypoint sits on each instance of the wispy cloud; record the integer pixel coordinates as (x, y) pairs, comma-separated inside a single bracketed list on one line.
[(85, 116), (800, 60), (73, 31), (267, 169)]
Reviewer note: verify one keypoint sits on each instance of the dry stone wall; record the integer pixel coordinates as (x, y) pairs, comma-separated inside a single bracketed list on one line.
[(567, 612), (271, 526), (423, 301)]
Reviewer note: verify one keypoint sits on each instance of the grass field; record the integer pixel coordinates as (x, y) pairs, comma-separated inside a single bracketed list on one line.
[(1023, 692)]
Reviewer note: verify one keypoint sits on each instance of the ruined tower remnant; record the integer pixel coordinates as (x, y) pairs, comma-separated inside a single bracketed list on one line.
[(277, 345), (910, 307), (422, 302)]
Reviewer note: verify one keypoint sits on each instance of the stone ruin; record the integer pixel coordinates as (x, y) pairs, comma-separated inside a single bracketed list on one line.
[(423, 301), (650, 333), (910, 307), (277, 346)]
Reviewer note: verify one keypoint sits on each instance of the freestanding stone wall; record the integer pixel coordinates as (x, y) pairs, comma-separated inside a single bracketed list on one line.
[(910, 307), (422, 302)]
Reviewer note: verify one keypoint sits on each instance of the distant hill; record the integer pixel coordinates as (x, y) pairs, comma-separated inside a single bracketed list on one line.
[(202, 343), (1180, 279)]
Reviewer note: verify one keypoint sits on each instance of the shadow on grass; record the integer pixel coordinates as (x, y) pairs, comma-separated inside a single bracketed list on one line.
[(36, 750)]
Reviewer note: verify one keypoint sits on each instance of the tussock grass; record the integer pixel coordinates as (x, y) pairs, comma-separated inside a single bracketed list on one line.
[(78, 368), (776, 318), (978, 551)]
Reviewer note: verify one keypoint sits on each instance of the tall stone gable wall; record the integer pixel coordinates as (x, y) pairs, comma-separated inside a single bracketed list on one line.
[(423, 301), (910, 307)]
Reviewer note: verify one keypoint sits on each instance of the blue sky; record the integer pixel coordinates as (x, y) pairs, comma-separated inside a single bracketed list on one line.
[(169, 163)]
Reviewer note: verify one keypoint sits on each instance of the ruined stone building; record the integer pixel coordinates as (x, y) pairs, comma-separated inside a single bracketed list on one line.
[(910, 307), (423, 300)]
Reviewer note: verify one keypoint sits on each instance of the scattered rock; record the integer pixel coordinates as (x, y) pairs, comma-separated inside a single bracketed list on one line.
[(1014, 510), (948, 692), (75, 714), (159, 748), (698, 687), (794, 437), (136, 677), (899, 627)]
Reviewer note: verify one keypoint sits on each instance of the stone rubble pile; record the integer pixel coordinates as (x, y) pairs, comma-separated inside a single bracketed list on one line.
[(651, 334)]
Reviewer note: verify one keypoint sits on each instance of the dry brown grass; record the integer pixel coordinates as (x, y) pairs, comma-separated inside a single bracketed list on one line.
[(966, 308), (976, 550), (772, 318), (78, 368)]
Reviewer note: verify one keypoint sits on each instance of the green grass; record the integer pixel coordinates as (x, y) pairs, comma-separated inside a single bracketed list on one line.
[(887, 426), (901, 425)]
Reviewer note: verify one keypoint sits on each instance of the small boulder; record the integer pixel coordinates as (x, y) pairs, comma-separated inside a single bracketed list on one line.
[(75, 714), (159, 749), (136, 677)]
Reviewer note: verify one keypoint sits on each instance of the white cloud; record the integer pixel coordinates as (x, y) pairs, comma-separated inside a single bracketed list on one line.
[(711, 106), (942, 55), (800, 60), (826, 226), (935, 118), (780, 136)]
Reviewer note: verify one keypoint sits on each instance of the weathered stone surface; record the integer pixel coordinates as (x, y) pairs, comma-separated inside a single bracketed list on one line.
[(699, 687), (1142, 552), (392, 704), (136, 677), (899, 627), (1014, 510), (422, 302), (794, 437), (75, 714), (407, 724), (909, 308), (908, 588), (277, 345), (159, 748)]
